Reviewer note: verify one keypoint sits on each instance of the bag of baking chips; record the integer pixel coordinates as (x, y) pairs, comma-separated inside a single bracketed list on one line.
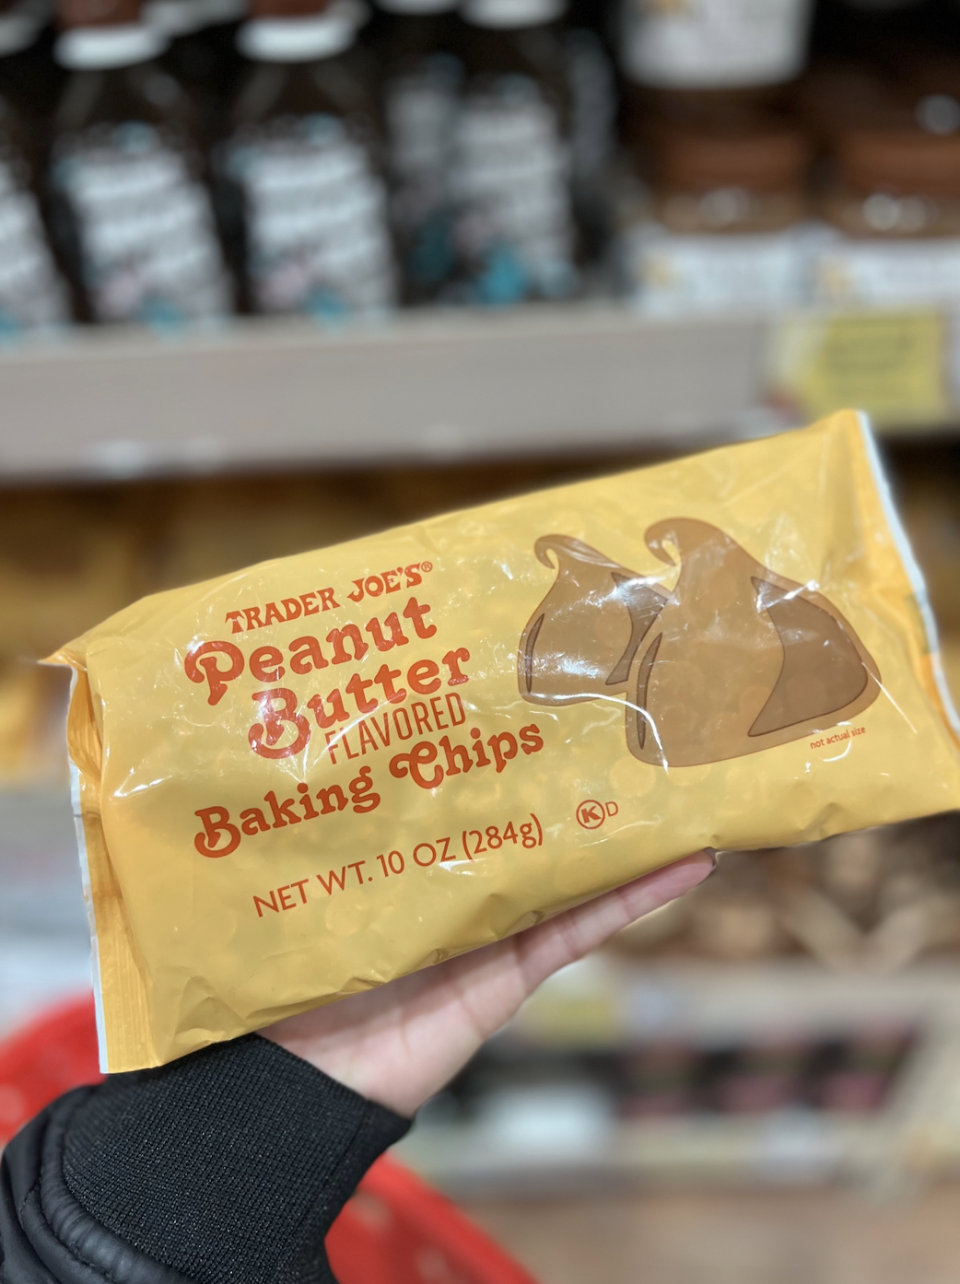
[(313, 776)]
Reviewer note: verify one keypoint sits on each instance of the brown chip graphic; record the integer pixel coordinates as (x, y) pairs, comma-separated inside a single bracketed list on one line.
[(736, 659), (587, 630)]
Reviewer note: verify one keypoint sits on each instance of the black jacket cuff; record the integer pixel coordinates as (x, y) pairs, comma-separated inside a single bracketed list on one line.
[(228, 1167)]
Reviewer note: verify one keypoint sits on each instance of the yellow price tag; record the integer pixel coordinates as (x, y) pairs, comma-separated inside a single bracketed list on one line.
[(891, 364)]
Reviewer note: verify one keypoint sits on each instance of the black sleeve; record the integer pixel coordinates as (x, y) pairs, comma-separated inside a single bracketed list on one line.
[(227, 1167)]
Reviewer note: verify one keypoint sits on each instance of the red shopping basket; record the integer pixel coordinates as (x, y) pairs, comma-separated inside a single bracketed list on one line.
[(395, 1230)]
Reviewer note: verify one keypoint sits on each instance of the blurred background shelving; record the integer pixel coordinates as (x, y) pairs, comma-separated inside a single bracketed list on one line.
[(429, 388)]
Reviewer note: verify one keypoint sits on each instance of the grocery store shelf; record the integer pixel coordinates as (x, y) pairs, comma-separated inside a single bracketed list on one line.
[(719, 1003), (437, 386), (432, 386), (602, 1004), (792, 1149)]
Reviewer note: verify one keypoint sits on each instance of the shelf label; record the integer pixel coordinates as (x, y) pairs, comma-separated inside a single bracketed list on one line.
[(893, 365)]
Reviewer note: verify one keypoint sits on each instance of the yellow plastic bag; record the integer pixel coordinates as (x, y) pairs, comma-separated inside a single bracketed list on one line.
[(316, 775)]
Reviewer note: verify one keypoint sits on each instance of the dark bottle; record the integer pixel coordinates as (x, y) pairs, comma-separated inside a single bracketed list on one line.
[(421, 76), (302, 199), (593, 120), (882, 32), (32, 293), (29, 78), (515, 231), (174, 19), (202, 54), (129, 207)]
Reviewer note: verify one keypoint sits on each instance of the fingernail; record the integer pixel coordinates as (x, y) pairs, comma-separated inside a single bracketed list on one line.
[(714, 859)]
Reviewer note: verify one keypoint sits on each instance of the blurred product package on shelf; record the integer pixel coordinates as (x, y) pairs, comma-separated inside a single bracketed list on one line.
[(836, 95), (515, 230), (756, 1080), (930, 499), (130, 210), (32, 702), (33, 295), (871, 903), (657, 1081), (207, 529), (593, 135), (713, 44), (689, 158), (30, 78), (636, 1082), (63, 558), (300, 185), (882, 6), (931, 85), (420, 62), (894, 204), (174, 19), (201, 54), (729, 227)]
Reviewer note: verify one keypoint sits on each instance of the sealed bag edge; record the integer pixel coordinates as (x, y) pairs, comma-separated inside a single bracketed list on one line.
[(124, 1038), (914, 574)]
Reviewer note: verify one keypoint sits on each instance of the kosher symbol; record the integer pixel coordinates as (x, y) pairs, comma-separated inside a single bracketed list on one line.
[(591, 814)]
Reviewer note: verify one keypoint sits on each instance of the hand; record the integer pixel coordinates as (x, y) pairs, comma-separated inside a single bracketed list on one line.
[(400, 1043)]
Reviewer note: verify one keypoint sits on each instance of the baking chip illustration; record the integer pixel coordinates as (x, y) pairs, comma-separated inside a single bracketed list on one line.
[(736, 659)]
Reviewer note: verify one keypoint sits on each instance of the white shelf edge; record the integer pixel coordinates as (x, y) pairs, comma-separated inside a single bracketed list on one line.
[(435, 386), (432, 387)]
